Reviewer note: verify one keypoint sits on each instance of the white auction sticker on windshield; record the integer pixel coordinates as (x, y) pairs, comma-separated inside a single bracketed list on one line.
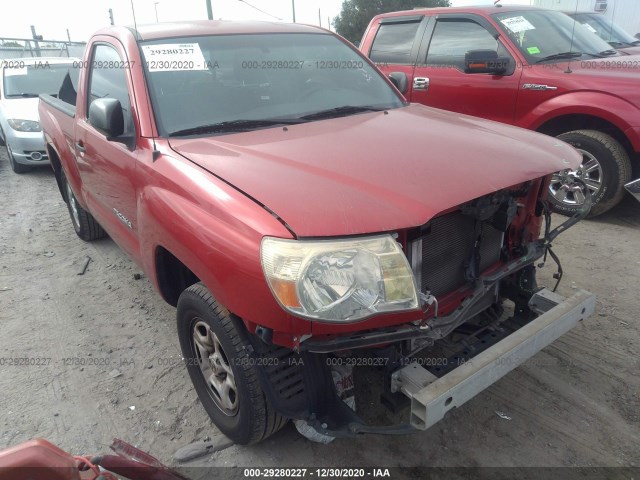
[(9, 72), (517, 24), (589, 27), (171, 57)]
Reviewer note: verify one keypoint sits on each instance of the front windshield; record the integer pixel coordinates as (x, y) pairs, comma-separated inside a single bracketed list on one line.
[(33, 80), (544, 33), (207, 80), (605, 29)]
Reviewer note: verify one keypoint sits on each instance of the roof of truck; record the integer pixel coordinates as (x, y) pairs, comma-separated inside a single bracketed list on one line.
[(481, 10), (196, 28)]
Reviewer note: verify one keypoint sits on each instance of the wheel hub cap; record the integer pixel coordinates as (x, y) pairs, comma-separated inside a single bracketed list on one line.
[(215, 368), (567, 191)]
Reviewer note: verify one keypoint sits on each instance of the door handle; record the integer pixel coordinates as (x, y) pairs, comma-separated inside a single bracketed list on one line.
[(80, 148), (421, 83)]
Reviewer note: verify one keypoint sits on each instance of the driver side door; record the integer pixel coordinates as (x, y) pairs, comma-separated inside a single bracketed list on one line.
[(107, 166), (440, 80)]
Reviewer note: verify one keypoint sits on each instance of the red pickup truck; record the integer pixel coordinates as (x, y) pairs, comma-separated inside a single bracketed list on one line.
[(301, 215), (529, 67)]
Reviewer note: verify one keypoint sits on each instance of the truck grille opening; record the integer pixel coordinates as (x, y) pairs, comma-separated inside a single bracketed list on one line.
[(440, 256)]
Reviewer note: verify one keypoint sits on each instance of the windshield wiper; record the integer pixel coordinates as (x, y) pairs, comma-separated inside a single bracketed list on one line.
[(233, 126), (559, 56), (340, 112), (635, 43), (605, 53), (24, 95)]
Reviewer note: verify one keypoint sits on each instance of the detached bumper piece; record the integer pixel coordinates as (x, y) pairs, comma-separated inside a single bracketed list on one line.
[(431, 397), (634, 188)]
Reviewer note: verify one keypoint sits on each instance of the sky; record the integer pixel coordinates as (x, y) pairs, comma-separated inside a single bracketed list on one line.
[(52, 18)]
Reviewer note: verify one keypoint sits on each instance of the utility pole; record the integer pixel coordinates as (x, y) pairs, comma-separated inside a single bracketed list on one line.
[(155, 5), (293, 9), (36, 38), (68, 35), (329, 23), (111, 16), (319, 19), (209, 10)]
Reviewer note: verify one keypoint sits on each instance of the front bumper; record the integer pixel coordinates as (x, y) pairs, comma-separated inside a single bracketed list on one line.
[(431, 397), (27, 148), (431, 401)]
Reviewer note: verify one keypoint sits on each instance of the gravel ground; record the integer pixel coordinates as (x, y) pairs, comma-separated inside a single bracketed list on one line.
[(105, 342)]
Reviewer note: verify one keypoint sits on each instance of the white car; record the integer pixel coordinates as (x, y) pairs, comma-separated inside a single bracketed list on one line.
[(22, 80)]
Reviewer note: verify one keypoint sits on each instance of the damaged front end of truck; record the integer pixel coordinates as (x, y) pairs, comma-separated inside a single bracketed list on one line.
[(482, 314)]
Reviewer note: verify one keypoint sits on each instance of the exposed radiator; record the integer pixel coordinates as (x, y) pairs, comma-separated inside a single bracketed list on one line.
[(440, 255)]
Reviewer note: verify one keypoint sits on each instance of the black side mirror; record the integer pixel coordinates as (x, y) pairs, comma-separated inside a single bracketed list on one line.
[(486, 61), (400, 81), (106, 116)]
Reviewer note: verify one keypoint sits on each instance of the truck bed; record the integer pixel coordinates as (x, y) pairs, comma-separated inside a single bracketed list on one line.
[(66, 108)]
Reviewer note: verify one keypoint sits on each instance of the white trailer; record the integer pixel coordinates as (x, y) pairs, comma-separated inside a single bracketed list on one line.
[(625, 13)]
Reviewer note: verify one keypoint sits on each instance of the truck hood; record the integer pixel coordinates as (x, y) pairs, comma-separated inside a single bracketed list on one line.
[(376, 172), (20, 108), (630, 50)]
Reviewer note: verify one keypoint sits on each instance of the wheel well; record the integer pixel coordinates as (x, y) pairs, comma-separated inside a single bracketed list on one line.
[(57, 169), (569, 123), (173, 276)]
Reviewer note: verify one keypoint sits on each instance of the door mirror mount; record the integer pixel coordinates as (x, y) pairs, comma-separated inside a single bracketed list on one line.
[(400, 81), (106, 116)]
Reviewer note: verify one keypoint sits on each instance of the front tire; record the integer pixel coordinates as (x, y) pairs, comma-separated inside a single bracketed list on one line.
[(214, 345), (86, 227), (605, 169)]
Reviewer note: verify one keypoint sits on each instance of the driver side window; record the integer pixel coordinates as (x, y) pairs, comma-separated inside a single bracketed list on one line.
[(108, 80), (452, 39)]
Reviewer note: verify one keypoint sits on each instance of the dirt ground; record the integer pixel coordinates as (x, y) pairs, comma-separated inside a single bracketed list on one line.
[(104, 343)]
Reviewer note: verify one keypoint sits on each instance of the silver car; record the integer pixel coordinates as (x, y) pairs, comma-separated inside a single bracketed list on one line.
[(22, 80)]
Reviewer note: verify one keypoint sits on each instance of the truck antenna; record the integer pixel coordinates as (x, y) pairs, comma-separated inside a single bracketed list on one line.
[(133, 11), (613, 16), (573, 34), (155, 153)]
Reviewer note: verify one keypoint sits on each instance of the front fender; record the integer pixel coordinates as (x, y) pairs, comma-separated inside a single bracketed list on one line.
[(621, 113), (216, 232)]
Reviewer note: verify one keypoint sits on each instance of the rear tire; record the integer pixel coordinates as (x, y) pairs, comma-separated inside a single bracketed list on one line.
[(606, 168), (15, 166), (86, 227), (214, 346)]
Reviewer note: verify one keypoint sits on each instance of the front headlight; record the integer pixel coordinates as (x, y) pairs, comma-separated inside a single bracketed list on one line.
[(339, 280), (24, 125)]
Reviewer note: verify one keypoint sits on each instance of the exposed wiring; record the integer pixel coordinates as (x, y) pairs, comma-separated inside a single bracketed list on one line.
[(550, 235), (558, 275), (548, 246), (260, 10)]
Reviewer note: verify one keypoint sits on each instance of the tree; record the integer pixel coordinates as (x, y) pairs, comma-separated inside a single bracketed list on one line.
[(356, 14), (11, 44)]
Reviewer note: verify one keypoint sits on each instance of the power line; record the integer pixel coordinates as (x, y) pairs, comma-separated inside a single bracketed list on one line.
[(258, 9)]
